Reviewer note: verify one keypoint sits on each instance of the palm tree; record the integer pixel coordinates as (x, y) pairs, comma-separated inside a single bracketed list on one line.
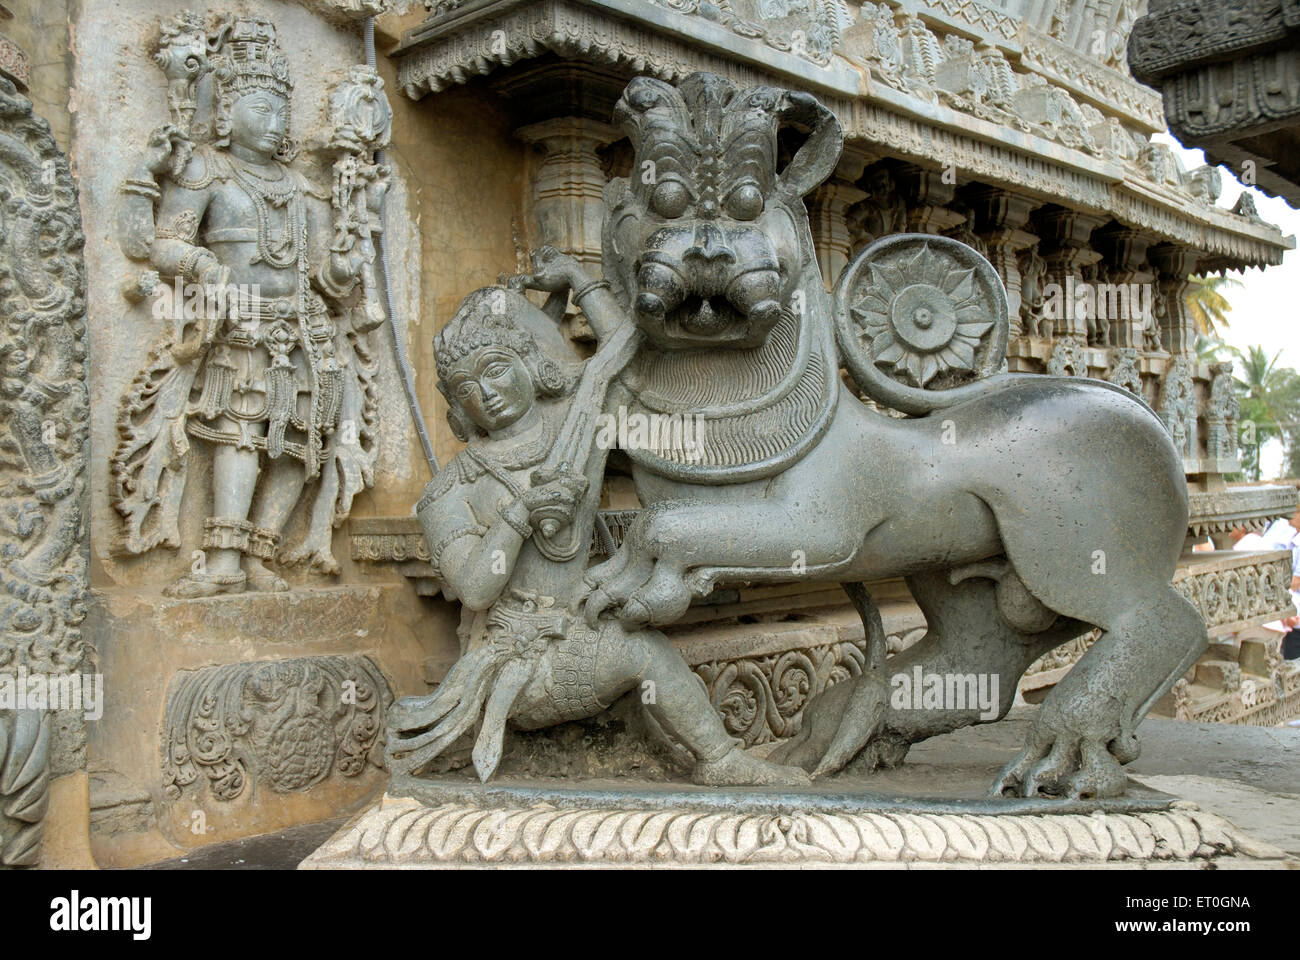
[(1207, 304), (1208, 349), (1269, 396)]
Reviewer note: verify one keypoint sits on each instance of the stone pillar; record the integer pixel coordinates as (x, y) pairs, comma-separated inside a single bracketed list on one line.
[(1000, 217), (568, 185), (828, 207), (1125, 252), (1175, 266), (1065, 248), (928, 199)]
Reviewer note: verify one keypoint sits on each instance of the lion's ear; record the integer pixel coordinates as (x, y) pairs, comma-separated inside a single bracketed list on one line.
[(814, 161)]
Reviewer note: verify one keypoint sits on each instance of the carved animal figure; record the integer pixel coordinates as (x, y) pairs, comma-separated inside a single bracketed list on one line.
[(1022, 511)]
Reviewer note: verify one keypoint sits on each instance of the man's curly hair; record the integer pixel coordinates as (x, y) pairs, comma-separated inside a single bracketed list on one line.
[(485, 319)]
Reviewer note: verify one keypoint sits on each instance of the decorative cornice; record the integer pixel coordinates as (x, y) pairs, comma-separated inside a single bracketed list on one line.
[(1104, 86), (1190, 32), (475, 39), (1218, 511), (989, 21)]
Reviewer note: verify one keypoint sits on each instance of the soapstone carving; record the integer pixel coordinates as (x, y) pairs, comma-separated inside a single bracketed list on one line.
[(508, 523), (265, 356), (1006, 502)]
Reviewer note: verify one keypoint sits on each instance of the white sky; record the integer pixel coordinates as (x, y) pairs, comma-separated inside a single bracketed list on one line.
[(1265, 306)]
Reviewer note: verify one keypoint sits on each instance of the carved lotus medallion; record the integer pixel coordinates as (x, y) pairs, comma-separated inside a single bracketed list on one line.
[(922, 312)]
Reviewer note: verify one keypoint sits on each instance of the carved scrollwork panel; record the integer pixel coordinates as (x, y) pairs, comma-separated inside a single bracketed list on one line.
[(286, 723), (44, 439)]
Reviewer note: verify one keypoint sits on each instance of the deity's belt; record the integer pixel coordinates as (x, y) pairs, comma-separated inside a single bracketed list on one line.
[(280, 325)]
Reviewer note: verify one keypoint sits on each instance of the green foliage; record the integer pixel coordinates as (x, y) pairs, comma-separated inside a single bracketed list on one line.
[(1269, 396), (1207, 304)]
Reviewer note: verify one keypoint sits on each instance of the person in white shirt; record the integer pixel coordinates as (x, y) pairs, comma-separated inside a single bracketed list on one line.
[(1280, 535)]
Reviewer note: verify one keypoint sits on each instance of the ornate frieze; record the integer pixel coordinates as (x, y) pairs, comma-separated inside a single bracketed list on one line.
[(14, 64), (1186, 32), (285, 724), (1251, 507), (1227, 71), (1238, 589), (986, 17), (403, 832), (810, 29), (894, 50), (1086, 78), (1251, 686)]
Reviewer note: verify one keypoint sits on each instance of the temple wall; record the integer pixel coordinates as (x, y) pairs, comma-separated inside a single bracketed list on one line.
[(363, 629), (491, 160)]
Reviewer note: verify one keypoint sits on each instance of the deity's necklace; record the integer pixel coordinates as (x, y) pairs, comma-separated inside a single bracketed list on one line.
[(282, 192)]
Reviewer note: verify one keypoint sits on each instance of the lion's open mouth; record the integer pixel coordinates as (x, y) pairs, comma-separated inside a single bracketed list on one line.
[(710, 318)]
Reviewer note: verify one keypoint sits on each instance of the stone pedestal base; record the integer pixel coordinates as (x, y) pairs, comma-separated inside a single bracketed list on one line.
[(453, 823)]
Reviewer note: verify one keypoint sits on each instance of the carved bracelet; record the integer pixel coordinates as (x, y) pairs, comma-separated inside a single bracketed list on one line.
[(519, 526), (587, 287), (143, 188)]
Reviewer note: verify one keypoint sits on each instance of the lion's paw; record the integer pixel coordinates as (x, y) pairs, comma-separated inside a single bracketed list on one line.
[(1059, 761)]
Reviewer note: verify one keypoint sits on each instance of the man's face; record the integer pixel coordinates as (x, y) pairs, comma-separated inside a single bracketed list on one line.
[(259, 122), (494, 387)]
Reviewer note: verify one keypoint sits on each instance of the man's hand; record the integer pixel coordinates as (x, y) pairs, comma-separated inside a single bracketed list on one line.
[(554, 271), (158, 151), (555, 500), (213, 275)]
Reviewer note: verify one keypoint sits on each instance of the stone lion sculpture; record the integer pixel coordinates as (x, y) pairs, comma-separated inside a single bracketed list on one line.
[(1022, 511)]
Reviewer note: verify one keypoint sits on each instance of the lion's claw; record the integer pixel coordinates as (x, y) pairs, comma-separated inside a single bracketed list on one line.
[(1062, 766)]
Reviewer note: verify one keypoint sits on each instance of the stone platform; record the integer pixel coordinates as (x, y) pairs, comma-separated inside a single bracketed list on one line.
[(240, 716), (520, 825), (929, 812)]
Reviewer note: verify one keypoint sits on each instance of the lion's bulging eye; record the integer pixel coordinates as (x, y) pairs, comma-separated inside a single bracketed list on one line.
[(745, 202), (669, 199)]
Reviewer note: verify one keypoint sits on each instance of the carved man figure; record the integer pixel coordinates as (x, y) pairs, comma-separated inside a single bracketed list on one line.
[(1033, 271), (509, 379), (882, 213), (270, 378)]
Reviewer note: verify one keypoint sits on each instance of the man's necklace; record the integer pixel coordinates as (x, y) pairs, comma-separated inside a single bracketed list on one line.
[(518, 458)]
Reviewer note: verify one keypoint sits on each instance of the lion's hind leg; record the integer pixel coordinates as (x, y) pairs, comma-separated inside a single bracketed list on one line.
[(1085, 730)]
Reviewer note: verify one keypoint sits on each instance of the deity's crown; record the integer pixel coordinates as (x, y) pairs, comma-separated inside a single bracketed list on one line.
[(249, 58)]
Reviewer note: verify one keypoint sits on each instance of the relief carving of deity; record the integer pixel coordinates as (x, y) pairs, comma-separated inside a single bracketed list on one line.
[(267, 360)]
